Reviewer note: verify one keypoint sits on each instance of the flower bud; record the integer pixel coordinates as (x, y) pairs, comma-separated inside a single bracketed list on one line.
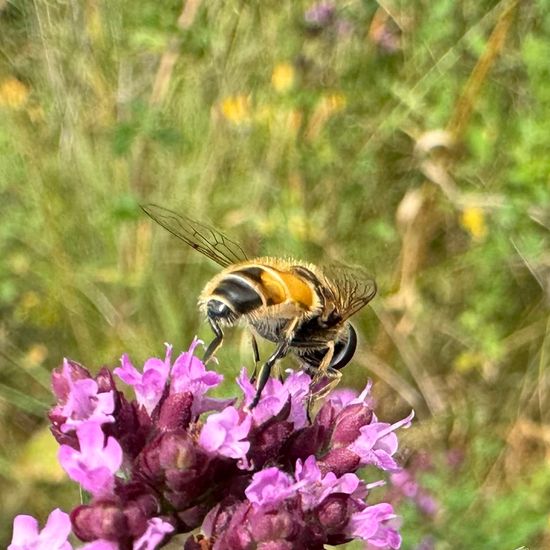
[(175, 411), (274, 525), (339, 461), (306, 442), (267, 440), (105, 381), (101, 520), (132, 426), (334, 513), (349, 423)]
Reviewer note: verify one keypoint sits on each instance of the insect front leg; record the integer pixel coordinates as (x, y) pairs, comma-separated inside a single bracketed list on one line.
[(280, 351), (256, 353), (216, 342)]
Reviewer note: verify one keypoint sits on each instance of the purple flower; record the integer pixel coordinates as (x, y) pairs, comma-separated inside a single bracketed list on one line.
[(148, 386), (373, 525), (378, 442), (52, 537), (340, 397), (270, 487), (80, 398), (320, 14), (407, 486), (187, 375), (190, 375), (157, 529), (276, 395), (95, 464), (315, 488), (100, 545), (405, 482), (224, 433)]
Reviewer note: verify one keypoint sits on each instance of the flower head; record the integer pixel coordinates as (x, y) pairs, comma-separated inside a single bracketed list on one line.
[(174, 459)]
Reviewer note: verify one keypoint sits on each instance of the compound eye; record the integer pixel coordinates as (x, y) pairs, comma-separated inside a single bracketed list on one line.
[(344, 351), (218, 309)]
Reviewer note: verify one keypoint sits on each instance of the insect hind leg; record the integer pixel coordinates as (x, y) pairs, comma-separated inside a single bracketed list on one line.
[(333, 377)]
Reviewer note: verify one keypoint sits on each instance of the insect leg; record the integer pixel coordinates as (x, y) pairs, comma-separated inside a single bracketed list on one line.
[(256, 353), (334, 377), (323, 367), (280, 351), (323, 371), (216, 343)]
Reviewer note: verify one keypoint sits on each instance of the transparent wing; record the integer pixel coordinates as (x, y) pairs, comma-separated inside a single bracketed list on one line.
[(352, 286), (200, 236)]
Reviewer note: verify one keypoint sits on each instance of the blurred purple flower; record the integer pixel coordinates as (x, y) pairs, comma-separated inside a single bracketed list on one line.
[(224, 433), (407, 486), (406, 483), (53, 536), (95, 464), (320, 15)]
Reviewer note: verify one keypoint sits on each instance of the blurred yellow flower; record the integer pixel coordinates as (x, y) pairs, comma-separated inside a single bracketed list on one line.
[(283, 76), (236, 109), (29, 300), (473, 220), (333, 103), (13, 93), (19, 263), (468, 361), (37, 354)]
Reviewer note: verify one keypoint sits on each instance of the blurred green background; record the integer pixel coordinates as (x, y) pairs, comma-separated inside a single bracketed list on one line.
[(410, 137)]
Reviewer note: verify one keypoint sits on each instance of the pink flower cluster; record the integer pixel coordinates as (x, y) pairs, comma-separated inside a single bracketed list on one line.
[(173, 460)]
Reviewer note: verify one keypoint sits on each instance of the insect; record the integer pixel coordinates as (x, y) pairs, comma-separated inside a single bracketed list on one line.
[(300, 307)]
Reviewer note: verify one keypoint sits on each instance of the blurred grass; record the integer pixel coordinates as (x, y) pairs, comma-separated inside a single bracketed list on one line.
[(409, 137)]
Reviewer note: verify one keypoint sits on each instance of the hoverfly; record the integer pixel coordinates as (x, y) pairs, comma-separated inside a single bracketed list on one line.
[(300, 307)]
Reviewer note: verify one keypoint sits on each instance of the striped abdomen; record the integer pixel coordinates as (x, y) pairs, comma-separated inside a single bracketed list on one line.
[(255, 288)]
